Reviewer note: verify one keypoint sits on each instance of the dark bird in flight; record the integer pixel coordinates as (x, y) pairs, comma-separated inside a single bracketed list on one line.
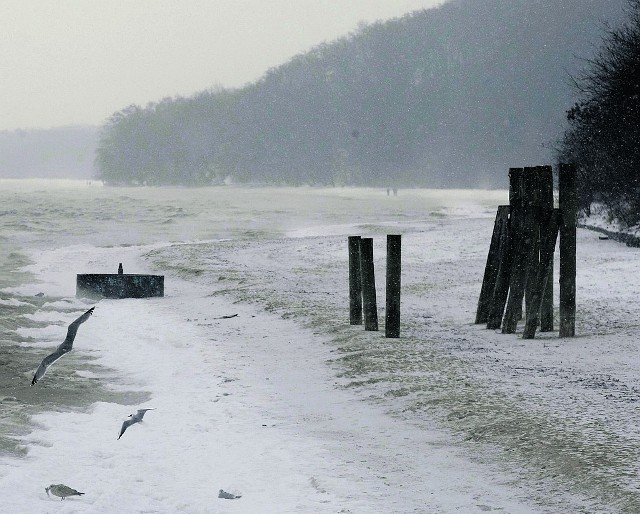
[(135, 418), (65, 347), (62, 491)]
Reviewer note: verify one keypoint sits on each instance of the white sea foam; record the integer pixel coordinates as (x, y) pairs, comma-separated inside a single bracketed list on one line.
[(12, 302)]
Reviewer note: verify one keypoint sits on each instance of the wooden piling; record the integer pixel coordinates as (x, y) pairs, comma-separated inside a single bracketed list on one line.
[(368, 284), (515, 188), (501, 288), (506, 250), (355, 281), (532, 184), (392, 312), (493, 265), (568, 208), (516, 200), (546, 202), (524, 241), (550, 224)]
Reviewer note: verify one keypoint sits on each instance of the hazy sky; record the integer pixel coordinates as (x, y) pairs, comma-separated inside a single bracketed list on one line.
[(67, 62)]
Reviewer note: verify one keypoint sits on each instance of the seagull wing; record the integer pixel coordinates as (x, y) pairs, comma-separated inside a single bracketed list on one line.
[(67, 344), (65, 347), (141, 412), (46, 362), (127, 423)]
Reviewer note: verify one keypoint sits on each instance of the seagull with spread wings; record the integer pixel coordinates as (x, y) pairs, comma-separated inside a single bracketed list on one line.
[(134, 418), (65, 347)]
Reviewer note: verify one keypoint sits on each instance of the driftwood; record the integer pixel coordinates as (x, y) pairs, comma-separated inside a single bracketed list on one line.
[(227, 316)]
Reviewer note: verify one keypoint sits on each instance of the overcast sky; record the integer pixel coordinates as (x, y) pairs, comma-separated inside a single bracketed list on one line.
[(67, 62)]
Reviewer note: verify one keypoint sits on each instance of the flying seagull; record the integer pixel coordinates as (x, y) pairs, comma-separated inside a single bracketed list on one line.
[(65, 347), (62, 491), (135, 418)]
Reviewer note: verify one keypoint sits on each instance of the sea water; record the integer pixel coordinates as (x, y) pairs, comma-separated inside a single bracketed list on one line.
[(38, 216)]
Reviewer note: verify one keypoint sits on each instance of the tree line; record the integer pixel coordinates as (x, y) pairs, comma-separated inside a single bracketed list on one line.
[(445, 97), (603, 137)]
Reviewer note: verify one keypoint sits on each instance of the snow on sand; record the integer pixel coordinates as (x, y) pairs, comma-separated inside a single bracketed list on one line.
[(244, 404)]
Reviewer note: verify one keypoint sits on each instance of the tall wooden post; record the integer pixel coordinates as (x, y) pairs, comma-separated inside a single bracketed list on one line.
[(546, 202), (355, 282), (515, 188), (501, 288), (493, 265), (392, 312), (368, 284), (524, 252), (507, 249), (517, 225), (549, 225), (568, 207), (533, 185)]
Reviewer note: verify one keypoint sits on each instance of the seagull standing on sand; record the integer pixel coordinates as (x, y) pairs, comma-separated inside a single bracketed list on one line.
[(65, 347), (135, 418), (62, 491)]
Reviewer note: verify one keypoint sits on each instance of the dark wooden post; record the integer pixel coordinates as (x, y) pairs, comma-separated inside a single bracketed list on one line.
[(501, 288), (533, 184), (524, 252), (493, 265), (355, 282), (568, 208), (392, 313), (546, 202), (507, 249), (368, 284), (550, 222), (515, 187), (517, 224)]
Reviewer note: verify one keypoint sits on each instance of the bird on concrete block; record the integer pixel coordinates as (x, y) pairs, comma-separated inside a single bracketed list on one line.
[(62, 491)]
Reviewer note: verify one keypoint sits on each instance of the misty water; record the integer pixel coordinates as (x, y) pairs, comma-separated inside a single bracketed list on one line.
[(284, 249), (38, 215)]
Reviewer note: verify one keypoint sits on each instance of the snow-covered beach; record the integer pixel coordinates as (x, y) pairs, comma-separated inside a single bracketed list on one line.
[(245, 404), (292, 409)]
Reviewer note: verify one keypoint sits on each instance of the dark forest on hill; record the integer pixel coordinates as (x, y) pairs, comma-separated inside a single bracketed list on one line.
[(446, 97), (603, 137)]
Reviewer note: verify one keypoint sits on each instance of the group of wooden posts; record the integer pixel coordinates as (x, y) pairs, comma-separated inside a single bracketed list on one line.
[(520, 260), (519, 265), (362, 285)]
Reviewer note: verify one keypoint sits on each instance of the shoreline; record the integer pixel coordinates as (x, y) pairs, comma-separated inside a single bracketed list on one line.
[(256, 411), (622, 237), (353, 420)]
